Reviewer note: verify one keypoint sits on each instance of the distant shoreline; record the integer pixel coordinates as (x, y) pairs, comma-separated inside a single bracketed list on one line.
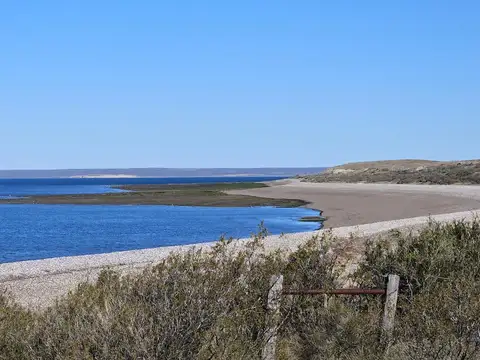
[(158, 172), (126, 176), (107, 176), (102, 176)]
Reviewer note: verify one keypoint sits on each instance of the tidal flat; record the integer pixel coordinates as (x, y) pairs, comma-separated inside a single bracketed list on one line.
[(213, 195)]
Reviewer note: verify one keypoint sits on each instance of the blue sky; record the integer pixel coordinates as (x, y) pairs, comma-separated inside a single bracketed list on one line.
[(237, 84)]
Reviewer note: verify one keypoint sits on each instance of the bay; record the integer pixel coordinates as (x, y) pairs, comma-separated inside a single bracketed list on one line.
[(33, 231)]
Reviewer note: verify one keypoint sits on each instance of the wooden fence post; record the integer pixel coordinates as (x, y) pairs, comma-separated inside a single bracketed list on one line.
[(273, 317), (390, 306)]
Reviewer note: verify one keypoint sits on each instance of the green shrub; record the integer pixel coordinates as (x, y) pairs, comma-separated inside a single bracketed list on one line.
[(439, 303), (465, 172), (212, 305)]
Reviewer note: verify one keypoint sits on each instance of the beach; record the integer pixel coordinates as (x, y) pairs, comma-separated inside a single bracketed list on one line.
[(362, 209), (355, 204)]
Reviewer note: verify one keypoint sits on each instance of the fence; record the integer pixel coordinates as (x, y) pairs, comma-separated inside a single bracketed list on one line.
[(277, 290)]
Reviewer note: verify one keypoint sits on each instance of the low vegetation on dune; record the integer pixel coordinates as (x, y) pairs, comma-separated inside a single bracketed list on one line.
[(402, 172), (200, 305)]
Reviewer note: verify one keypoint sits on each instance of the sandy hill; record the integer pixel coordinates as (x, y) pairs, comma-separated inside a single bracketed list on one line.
[(388, 164), (402, 172)]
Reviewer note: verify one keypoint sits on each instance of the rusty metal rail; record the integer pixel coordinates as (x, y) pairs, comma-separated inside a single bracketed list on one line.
[(335, 292)]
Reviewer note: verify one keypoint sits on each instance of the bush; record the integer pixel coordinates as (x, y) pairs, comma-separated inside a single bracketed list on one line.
[(200, 305), (465, 172), (439, 303)]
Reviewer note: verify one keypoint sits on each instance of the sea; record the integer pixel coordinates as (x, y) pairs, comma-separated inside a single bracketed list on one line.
[(35, 231)]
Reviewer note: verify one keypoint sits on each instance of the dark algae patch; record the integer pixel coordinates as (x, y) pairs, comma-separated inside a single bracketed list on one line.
[(313, 219), (318, 219), (181, 195)]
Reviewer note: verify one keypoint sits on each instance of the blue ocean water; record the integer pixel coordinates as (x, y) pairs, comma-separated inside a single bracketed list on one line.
[(43, 231), (30, 232), (68, 186)]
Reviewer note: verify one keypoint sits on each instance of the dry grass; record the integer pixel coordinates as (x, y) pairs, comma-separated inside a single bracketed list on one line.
[(389, 164), (201, 305), (402, 172)]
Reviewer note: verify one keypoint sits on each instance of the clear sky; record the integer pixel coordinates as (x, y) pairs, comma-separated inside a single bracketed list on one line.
[(237, 83)]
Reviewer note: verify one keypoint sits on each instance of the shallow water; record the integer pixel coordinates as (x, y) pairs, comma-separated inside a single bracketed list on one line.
[(64, 186), (43, 231)]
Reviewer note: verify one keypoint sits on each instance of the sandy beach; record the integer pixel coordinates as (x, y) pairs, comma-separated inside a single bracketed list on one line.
[(363, 209), (355, 204)]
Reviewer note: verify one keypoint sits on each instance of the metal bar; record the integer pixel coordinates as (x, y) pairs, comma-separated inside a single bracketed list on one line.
[(336, 292)]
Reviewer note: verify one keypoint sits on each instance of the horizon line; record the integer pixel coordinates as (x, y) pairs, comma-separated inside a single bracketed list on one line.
[(168, 168)]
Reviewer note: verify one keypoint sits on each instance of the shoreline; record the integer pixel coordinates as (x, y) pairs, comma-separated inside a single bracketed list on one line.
[(362, 209), (345, 204), (37, 283)]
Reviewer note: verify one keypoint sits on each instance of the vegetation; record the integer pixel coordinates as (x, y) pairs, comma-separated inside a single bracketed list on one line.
[(403, 172), (201, 305), (193, 187), (187, 195)]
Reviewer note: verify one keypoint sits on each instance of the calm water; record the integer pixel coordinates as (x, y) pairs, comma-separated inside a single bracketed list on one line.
[(25, 187), (42, 231)]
